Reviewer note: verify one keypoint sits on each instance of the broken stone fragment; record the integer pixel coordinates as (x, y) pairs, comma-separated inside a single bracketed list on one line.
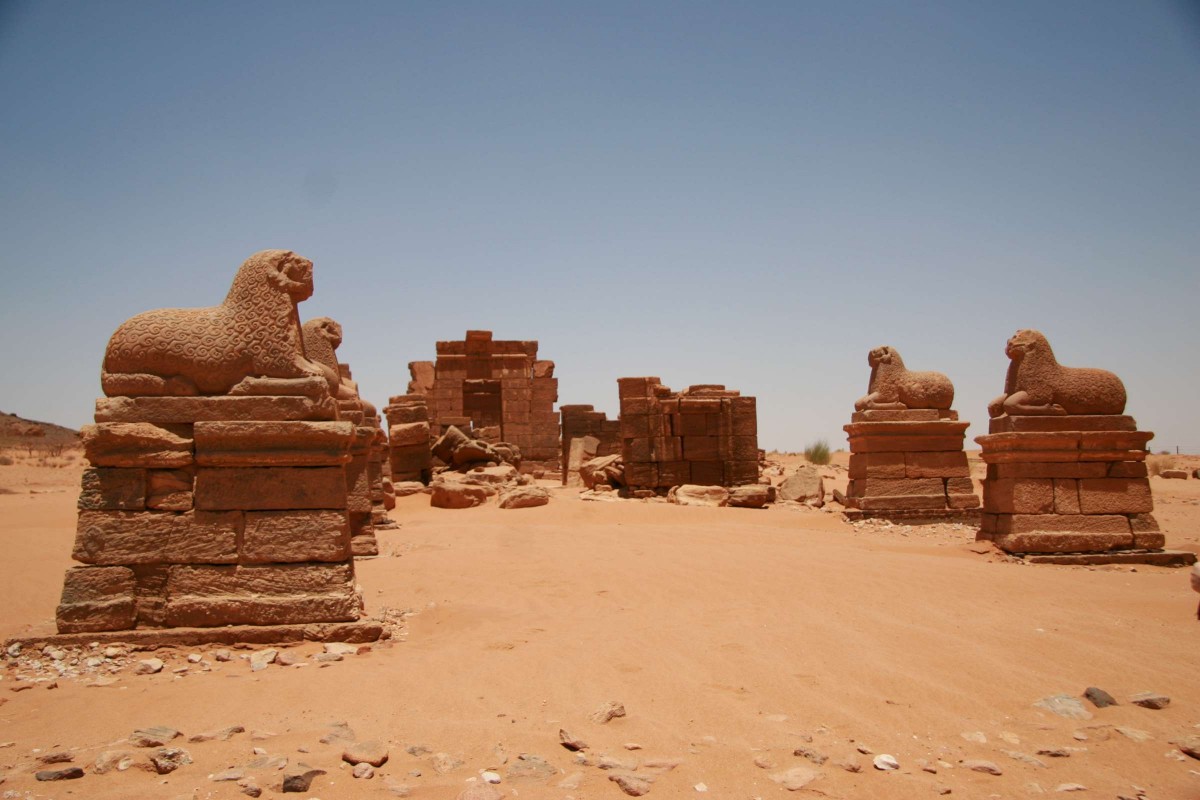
[(1152, 700), (68, 774), (370, 752), (156, 736), (608, 712), (300, 777), (169, 759)]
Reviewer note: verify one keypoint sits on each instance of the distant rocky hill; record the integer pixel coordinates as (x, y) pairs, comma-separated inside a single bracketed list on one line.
[(17, 432)]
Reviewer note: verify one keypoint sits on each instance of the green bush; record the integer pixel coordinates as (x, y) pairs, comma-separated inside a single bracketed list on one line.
[(817, 452)]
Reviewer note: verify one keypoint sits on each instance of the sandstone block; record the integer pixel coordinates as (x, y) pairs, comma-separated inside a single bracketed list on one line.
[(642, 474), (133, 537), (1123, 469), (878, 465), (1069, 422), (1066, 496), (754, 495), (959, 486), (634, 426), (904, 444), (702, 448), (744, 405), (937, 428), (640, 451), (739, 473), (96, 599), (459, 495), (674, 473), (1149, 540), (113, 489), (1052, 469), (869, 487), (694, 495), (205, 596), (745, 448), (1071, 523), (524, 497), (744, 425), (134, 444), (904, 415), (1062, 542), (955, 500), (951, 464), (1114, 440), (272, 443), (636, 387), (1030, 442), (162, 410), (270, 488), (1174, 474), (803, 485), (699, 405), (1019, 496), (1115, 496), (288, 536), (1143, 523), (406, 415), (689, 425), (899, 502), (169, 489)]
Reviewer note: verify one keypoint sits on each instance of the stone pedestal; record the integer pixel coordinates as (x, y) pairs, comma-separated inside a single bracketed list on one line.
[(358, 488), (908, 465), (1069, 484), (205, 512)]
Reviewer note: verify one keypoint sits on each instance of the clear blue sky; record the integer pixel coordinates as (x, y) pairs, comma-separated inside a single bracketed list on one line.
[(752, 194)]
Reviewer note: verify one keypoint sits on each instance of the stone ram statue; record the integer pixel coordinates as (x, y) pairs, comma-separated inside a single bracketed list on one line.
[(1037, 384), (254, 334), (322, 338), (894, 387)]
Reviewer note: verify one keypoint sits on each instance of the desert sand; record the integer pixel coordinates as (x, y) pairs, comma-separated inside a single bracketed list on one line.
[(734, 638)]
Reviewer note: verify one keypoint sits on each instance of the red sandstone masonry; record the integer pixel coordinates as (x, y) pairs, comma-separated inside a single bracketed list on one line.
[(706, 435)]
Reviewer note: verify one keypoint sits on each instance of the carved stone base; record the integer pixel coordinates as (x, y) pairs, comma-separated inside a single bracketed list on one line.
[(1156, 558), (966, 516)]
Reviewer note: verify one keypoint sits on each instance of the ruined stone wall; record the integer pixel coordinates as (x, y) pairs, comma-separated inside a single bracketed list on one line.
[(481, 383), (583, 421), (707, 435)]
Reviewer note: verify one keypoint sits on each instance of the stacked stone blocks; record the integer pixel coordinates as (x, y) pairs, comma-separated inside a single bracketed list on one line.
[(706, 435)]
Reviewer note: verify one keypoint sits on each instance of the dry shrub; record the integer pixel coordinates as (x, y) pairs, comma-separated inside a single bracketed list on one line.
[(1156, 464), (818, 452), (6, 461)]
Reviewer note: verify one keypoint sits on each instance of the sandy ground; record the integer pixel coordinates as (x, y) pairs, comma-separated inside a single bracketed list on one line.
[(729, 635)]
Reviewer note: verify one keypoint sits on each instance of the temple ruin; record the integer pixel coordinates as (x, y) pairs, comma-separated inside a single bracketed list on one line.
[(498, 389), (706, 435)]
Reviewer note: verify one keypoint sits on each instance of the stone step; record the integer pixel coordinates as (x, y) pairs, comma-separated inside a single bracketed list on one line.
[(1157, 558)]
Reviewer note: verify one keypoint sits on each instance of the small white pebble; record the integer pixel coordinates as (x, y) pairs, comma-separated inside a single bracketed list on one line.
[(490, 777), (700, 787)]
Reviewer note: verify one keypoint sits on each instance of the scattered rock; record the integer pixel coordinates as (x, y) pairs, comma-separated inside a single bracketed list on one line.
[(528, 766), (57, 757), (1098, 697), (268, 762), (692, 495), (300, 777), (370, 752), (979, 765), (222, 655), (524, 497), (572, 743), (345, 649), (396, 788), (764, 762), (884, 761), (261, 659), (1025, 758), (338, 732), (490, 777), (660, 766), (608, 712), (1071, 787), (417, 750), (866, 751), (803, 486), (224, 735), (153, 737), (1152, 700), (1133, 734), (444, 762), (68, 774), (363, 770), (632, 746), (754, 495), (248, 787), (231, 774), (926, 766), (1065, 706), (700, 787), (795, 778), (1189, 745), (1054, 752), (148, 666), (288, 658), (458, 495), (631, 784), (608, 762), (850, 764), (120, 760), (978, 737), (811, 754), (168, 759)]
